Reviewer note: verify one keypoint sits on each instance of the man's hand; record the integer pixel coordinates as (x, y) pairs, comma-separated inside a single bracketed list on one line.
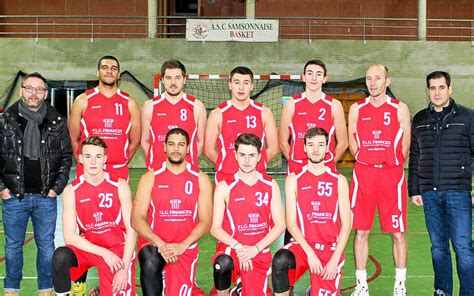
[(172, 250), (315, 265), (51, 193), (330, 270), (114, 262), (417, 200), (6, 194), (246, 253), (246, 265), (120, 281)]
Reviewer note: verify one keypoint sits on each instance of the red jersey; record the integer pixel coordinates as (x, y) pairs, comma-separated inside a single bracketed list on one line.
[(234, 123), (173, 211), (308, 115), (108, 118), (378, 134), (167, 116), (317, 206), (248, 215), (99, 214)]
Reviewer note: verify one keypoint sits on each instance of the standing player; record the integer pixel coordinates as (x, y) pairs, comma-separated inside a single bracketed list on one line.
[(173, 108), (109, 113), (100, 205), (379, 139), (177, 199), (248, 217), (313, 108), (318, 217), (239, 115)]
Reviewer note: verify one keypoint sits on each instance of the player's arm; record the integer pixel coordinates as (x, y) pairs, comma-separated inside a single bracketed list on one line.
[(271, 133), (341, 129), (221, 194), (125, 197), (200, 117), (330, 270), (136, 130), (292, 225), (352, 127), (141, 203), (204, 216), (278, 217), (74, 123), (283, 132), (72, 238), (404, 120), (213, 128), (147, 113)]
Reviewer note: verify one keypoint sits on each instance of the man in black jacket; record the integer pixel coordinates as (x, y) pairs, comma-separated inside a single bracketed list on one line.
[(35, 159), (440, 177)]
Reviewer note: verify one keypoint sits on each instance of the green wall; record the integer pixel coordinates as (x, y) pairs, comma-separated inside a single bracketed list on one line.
[(408, 61)]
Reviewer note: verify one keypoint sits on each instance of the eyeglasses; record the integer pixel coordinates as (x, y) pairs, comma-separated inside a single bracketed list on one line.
[(38, 90)]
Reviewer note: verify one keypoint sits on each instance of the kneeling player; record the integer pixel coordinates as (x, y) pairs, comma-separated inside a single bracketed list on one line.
[(318, 218), (177, 199), (101, 206), (248, 217)]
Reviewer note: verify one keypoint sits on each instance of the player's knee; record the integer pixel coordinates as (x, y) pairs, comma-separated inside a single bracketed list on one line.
[(282, 262), (63, 259), (151, 261), (362, 234), (399, 236), (223, 266)]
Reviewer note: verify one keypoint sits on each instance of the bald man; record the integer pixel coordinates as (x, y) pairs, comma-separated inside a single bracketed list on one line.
[(379, 139)]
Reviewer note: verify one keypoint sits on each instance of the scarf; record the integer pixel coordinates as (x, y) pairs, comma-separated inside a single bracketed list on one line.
[(32, 135)]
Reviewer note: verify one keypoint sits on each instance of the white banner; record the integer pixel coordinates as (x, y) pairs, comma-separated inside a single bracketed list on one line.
[(244, 30)]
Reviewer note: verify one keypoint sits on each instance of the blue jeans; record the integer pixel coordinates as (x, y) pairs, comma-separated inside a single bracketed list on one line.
[(448, 216), (15, 214)]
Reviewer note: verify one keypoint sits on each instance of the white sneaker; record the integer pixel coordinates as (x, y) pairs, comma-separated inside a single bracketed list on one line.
[(399, 291), (361, 291)]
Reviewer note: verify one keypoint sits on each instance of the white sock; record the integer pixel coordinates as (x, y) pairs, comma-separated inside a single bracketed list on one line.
[(361, 276), (400, 276)]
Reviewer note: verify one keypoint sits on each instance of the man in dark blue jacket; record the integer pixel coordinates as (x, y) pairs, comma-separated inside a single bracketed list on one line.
[(440, 177), (35, 159)]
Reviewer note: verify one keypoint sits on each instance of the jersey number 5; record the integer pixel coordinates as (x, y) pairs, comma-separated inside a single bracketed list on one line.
[(386, 118)]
